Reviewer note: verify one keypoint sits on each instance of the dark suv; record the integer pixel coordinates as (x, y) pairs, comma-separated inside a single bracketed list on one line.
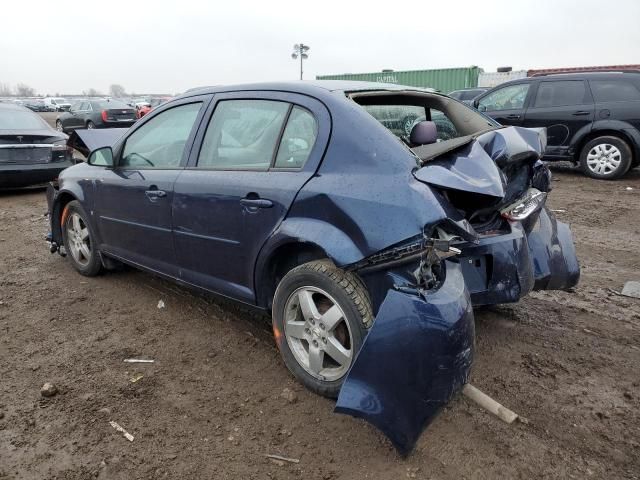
[(592, 119)]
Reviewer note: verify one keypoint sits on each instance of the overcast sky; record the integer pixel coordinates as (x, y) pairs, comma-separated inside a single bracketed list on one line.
[(68, 46)]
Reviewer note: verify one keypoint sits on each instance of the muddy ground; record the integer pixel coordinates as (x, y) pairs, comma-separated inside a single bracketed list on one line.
[(211, 405)]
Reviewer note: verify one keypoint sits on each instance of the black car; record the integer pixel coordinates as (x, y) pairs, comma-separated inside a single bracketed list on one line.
[(466, 95), (31, 152), (592, 119), (96, 114)]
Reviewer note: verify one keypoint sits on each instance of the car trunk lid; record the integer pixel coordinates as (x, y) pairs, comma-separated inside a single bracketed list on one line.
[(482, 174)]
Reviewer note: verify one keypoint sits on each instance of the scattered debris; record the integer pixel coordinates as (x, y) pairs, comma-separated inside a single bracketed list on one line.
[(488, 403), (160, 304), (558, 210), (282, 459), (48, 390), (126, 434), (289, 395), (138, 360), (105, 411), (629, 188), (136, 377), (631, 289)]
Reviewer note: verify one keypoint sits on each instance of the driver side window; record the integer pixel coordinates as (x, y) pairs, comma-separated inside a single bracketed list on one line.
[(160, 142), (507, 98)]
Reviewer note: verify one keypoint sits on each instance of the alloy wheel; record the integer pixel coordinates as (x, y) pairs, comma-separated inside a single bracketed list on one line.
[(604, 159), (318, 334), (78, 239)]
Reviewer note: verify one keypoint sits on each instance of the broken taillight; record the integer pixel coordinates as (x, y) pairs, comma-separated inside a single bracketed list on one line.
[(530, 202)]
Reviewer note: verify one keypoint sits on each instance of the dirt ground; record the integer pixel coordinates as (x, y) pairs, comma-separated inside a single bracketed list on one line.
[(212, 404)]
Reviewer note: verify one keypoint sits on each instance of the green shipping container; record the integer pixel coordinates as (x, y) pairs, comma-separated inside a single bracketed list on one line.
[(444, 80)]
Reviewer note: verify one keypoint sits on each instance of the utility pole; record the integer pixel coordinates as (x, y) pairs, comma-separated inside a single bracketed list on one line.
[(300, 50)]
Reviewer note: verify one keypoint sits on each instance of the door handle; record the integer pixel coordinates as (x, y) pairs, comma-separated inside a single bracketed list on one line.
[(154, 194), (256, 203), (580, 113), (513, 116)]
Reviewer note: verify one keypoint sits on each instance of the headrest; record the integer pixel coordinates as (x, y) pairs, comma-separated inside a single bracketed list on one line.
[(423, 133)]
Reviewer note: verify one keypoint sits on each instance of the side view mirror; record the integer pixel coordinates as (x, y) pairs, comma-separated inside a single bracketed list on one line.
[(476, 102), (102, 157)]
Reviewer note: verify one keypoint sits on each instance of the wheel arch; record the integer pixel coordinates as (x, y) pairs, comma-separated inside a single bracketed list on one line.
[(294, 243), (62, 200), (613, 129)]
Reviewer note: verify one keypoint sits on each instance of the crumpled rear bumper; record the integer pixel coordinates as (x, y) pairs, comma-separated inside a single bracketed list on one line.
[(538, 254), (416, 356)]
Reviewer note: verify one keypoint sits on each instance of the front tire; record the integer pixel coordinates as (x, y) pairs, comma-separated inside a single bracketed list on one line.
[(606, 158), (59, 126), (320, 317), (78, 237)]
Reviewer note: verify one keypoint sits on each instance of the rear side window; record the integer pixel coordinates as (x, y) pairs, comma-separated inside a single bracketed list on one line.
[(511, 97), (243, 134), (160, 142), (614, 91), (297, 140), (561, 93)]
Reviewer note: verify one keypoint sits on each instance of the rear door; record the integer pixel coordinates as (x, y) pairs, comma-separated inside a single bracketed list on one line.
[(506, 104), (75, 117), (564, 107), (134, 198), (617, 98), (256, 152)]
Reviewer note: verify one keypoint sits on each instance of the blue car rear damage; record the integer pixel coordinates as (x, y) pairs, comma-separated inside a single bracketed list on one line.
[(419, 351), (431, 232)]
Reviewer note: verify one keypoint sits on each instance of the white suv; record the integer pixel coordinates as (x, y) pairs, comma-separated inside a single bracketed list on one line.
[(59, 104)]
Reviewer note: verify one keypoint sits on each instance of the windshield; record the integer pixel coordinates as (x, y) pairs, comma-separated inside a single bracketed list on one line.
[(20, 120)]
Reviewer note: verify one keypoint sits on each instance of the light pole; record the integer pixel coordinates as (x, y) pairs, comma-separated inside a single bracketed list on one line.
[(300, 50)]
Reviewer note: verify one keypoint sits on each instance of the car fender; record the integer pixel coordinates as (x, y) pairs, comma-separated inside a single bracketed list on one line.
[(336, 245)]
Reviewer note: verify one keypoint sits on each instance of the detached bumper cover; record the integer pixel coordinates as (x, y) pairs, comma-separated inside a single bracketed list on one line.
[(417, 356)]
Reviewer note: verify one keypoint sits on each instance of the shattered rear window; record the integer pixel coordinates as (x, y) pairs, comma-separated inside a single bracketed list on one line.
[(399, 119)]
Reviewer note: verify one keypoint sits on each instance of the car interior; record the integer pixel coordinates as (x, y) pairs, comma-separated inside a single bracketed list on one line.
[(442, 119)]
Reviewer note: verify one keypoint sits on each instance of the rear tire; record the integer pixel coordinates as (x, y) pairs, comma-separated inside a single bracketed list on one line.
[(91, 125), (59, 126), (78, 237), (606, 158), (320, 317)]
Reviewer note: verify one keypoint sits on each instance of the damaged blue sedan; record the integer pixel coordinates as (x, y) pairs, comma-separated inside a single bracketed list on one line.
[(369, 245)]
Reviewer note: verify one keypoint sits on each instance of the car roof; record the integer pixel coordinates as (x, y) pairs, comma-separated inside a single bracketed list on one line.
[(309, 87), (574, 76)]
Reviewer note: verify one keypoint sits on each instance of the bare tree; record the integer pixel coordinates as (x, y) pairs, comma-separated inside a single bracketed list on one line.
[(92, 92), (23, 90), (117, 91), (5, 90)]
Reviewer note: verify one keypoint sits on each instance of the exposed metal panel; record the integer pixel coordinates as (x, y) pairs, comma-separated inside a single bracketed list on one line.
[(444, 80)]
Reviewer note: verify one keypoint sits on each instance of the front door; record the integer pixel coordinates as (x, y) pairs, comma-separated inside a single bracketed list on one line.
[(246, 168), (134, 198), (506, 105), (564, 107)]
